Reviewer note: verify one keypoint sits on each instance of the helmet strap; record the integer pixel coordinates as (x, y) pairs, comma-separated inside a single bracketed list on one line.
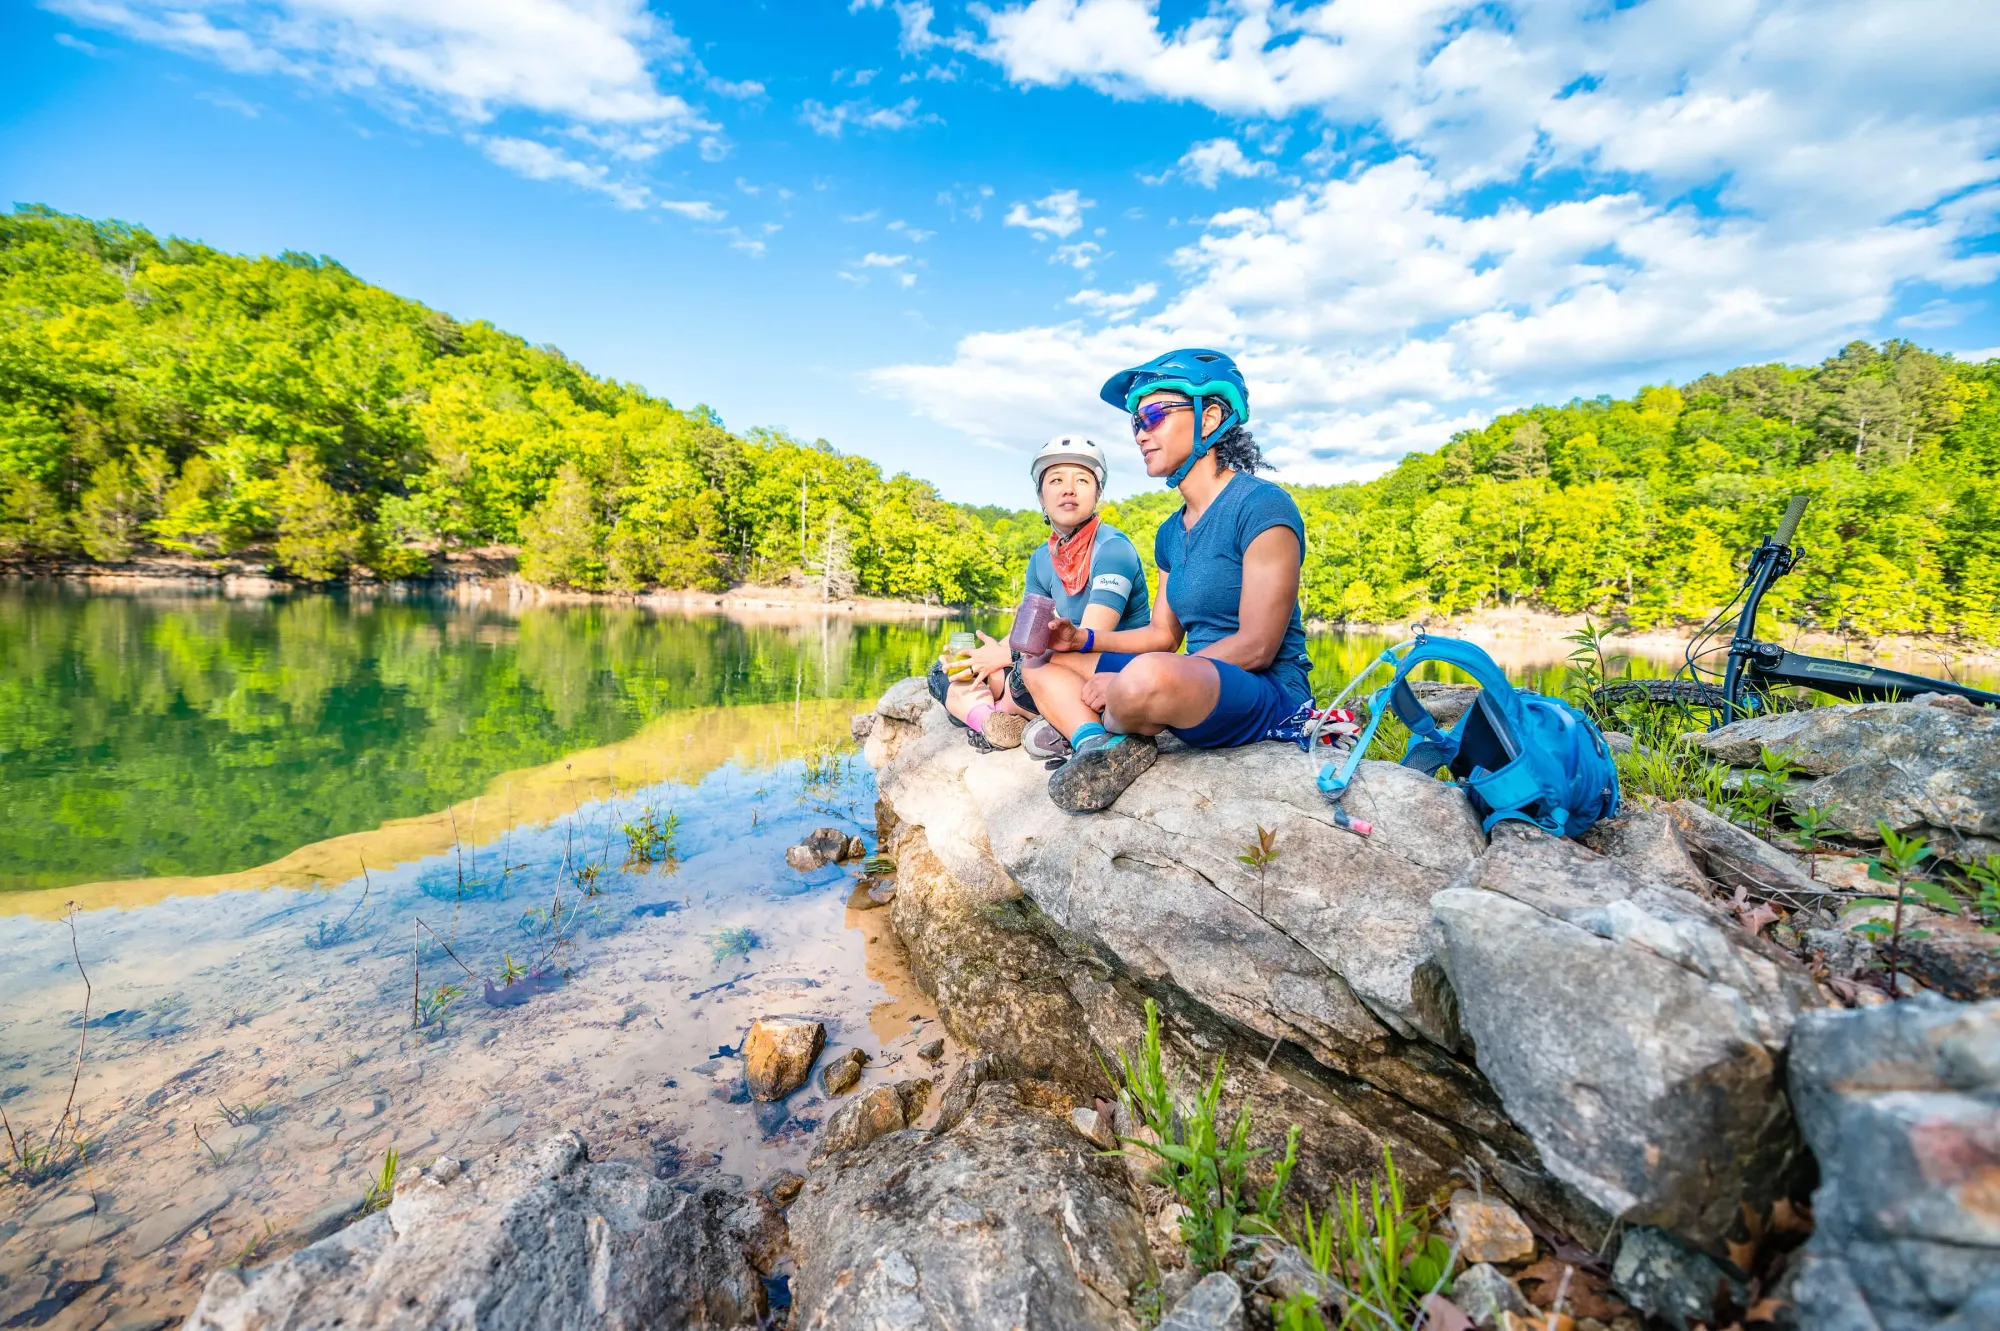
[(1202, 442)]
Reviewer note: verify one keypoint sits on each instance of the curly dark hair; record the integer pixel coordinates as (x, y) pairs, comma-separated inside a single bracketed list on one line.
[(1236, 450)]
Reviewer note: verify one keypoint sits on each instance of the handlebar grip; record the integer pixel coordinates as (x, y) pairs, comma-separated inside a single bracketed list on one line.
[(1789, 524)]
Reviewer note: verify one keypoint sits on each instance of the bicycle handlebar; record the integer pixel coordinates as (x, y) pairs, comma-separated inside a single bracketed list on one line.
[(1789, 524)]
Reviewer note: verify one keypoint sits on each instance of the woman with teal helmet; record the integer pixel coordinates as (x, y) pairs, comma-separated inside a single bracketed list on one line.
[(1229, 561)]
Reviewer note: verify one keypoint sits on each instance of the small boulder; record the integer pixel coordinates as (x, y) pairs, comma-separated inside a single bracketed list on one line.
[(784, 1186), (778, 1054), (1955, 957), (803, 858), (1666, 1280), (1214, 1304), (1484, 1294), (1291, 1274), (1489, 1230), (855, 849), (827, 845), (1445, 702), (1735, 857), (906, 700), (883, 893), (1093, 1127), (839, 1075), (877, 1112), (931, 1051)]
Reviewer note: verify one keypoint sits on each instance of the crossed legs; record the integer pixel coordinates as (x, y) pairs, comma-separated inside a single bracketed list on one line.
[(1150, 693)]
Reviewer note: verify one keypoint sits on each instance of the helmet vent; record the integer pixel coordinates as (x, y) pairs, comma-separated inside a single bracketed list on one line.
[(1208, 358)]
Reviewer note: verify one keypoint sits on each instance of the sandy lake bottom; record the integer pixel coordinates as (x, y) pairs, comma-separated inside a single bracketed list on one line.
[(251, 1056)]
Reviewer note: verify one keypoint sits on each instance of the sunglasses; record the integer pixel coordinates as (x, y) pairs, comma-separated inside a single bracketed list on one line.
[(1149, 416)]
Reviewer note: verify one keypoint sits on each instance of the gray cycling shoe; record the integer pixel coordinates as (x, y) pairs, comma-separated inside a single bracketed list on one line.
[(1102, 767), (1042, 741)]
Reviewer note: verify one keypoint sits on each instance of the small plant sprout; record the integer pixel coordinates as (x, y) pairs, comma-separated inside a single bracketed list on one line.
[(1896, 863), (1587, 669), (1814, 821), (587, 876), (1380, 1250), (511, 970), (1259, 855), (382, 1187)]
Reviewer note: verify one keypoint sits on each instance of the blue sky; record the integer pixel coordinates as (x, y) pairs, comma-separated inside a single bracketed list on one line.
[(926, 233)]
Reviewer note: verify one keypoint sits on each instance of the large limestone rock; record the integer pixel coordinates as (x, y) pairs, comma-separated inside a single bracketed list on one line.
[(536, 1238), (1324, 946), (1932, 769), (1006, 1220), (1901, 1104), (1632, 1031)]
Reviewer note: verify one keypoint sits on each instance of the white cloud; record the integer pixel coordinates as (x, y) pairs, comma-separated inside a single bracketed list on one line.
[(229, 101), (538, 161), (743, 90), (833, 121), (1079, 256), (695, 210), (915, 235), (1207, 162), (874, 260), (913, 19), (1060, 215), (76, 44), (1518, 202), (1975, 357), (589, 69), (1116, 302)]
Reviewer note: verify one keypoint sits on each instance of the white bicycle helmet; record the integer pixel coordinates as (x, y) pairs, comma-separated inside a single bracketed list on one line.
[(1069, 448)]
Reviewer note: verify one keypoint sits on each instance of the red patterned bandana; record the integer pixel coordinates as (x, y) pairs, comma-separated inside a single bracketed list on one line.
[(1071, 555)]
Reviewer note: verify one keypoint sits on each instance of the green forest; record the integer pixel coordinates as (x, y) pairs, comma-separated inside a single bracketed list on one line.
[(161, 395)]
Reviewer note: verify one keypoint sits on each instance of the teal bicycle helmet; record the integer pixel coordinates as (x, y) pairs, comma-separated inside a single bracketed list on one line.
[(1199, 373)]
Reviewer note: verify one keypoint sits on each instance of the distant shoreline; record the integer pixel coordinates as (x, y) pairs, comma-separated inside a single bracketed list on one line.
[(488, 577)]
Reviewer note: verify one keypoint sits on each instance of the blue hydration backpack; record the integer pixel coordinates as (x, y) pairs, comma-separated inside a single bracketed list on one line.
[(1516, 753)]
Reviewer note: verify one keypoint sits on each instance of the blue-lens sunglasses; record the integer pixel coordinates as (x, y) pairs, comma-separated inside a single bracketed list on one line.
[(1149, 416)]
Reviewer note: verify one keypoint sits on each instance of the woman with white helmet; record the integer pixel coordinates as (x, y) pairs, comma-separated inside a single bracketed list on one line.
[(1092, 572)]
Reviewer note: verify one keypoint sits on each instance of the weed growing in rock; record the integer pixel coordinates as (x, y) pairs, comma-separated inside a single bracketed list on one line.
[(1763, 787), (1813, 822), (1896, 863), (881, 866), (249, 1252), (1379, 1250), (383, 1186), (1204, 1165), (727, 943), (651, 839), (1985, 876), (1259, 856)]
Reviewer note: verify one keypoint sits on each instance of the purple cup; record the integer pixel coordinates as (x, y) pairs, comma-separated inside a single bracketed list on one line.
[(1030, 634)]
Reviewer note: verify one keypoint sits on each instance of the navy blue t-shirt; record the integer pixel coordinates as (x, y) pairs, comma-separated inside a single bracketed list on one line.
[(1206, 589), (1117, 579)]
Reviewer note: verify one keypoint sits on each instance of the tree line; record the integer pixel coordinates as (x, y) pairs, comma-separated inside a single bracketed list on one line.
[(159, 394)]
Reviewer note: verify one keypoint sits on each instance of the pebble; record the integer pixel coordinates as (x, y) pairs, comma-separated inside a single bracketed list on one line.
[(839, 1076), (1093, 1127), (1489, 1230), (932, 1051)]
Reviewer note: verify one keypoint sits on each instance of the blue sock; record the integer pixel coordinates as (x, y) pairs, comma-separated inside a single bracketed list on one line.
[(1084, 732)]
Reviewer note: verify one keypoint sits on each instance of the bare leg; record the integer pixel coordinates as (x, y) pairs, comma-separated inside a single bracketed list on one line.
[(1057, 689), (1158, 690)]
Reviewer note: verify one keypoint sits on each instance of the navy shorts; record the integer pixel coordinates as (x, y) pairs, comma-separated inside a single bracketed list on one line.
[(1249, 705)]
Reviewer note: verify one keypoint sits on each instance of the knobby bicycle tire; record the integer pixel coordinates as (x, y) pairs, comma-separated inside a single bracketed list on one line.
[(1687, 693)]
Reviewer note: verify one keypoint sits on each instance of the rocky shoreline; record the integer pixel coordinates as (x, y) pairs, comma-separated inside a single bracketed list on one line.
[(1652, 1080)]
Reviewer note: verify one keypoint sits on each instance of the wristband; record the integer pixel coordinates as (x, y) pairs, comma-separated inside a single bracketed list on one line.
[(1090, 640)]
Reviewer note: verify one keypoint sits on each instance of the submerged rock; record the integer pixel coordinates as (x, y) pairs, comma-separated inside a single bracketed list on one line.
[(778, 1055), (1633, 1032), (1901, 1104), (826, 845), (1007, 1220), (1930, 767), (538, 1237)]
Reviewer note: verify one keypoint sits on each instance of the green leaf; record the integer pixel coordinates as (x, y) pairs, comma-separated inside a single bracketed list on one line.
[(1937, 894)]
